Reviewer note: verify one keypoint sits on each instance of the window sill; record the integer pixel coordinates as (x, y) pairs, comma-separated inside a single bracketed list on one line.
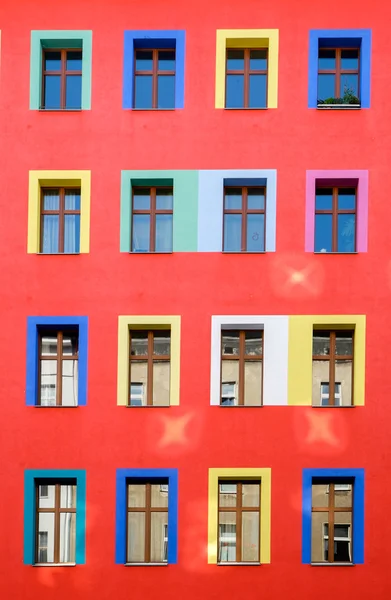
[(243, 252), (60, 110), (141, 564), (331, 406), (54, 406), (149, 406), (148, 252), (241, 405), (153, 109), (238, 564), (58, 253), (336, 253), (339, 106), (335, 564), (246, 109), (54, 565)]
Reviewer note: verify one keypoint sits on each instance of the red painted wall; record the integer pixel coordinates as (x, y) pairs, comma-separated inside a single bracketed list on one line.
[(105, 283)]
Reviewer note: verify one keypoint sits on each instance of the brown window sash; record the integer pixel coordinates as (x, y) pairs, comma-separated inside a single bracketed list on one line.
[(247, 71), (61, 212), (241, 358), (59, 358), (150, 358), (332, 358), (152, 212), (335, 212), (63, 73), (338, 71), (154, 72), (245, 211)]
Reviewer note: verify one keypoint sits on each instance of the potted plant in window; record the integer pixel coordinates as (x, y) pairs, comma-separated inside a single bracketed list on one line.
[(348, 100)]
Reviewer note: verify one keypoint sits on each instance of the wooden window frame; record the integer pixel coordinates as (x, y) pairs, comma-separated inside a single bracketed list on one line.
[(63, 73), (246, 72), (150, 358), (155, 73), (331, 509), (238, 510), (58, 358), (57, 510), (148, 509), (244, 212), (338, 71), (332, 359), (242, 358), (335, 212), (61, 213), (152, 212)]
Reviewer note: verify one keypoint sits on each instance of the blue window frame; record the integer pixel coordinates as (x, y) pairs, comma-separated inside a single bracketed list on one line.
[(31, 478), (311, 476), (153, 40), (340, 38), (34, 325), (123, 476)]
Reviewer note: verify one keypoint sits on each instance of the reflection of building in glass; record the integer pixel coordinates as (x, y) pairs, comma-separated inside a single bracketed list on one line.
[(150, 368), (56, 523), (241, 368), (58, 369), (332, 512), (332, 368)]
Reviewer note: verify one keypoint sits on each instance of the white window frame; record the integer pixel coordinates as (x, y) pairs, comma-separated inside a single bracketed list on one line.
[(337, 394), (227, 396), (139, 396)]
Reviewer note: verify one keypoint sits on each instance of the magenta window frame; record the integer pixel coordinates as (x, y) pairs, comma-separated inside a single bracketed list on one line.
[(334, 178)]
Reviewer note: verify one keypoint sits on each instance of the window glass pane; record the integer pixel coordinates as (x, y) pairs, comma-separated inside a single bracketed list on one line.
[(326, 87), (227, 494), (326, 60), (143, 91), (253, 343), (228, 393), (46, 496), (250, 494), (51, 200), (166, 60), (138, 377), (67, 537), (69, 345), (73, 91), (159, 523), (320, 383), (257, 95), (69, 382), (323, 233), (255, 233), (46, 535), (250, 536), (253, 383), (48, 382), (255, 198), (49, 345), (161, 383), (136, 495), (52, 95), (346, 199), (324, 199), (320, 496), (68, 496), (232, 233), (72, 199), (343, 497), (321, 344), (342, 537), (144, 60), (137, 394), (234, 94), (230, 376), (74, 60), (141, 199), (343, 374), (344, 343), (72, 233), (159, 495), (227, 537), (166, 91), (230, 342), (233, 198), (52, 61), (318, 551), (346, 233), (164, 199), (136, 537), (349, 59), (161, 343), (163, 241), (258, 60), (139, 343), (349, 83), (140, 233), (235, 60)]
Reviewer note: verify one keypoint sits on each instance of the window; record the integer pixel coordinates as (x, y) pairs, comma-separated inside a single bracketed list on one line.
[(56, 523), (154, 74), (246, 78), (244, 219), (152, 219), (58, 368), (62, 77), (150, 366), (241, 367), (332, 514), (147, 522), (332, 368), (60, 221), (239, 518), (335, 219), (338, 75)]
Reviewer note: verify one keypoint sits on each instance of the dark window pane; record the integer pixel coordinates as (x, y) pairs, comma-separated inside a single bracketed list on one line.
[(232, 233), (163, 241), (139, 344), (51, 200), (347, 199), (346, 233), (324, 199), (72, 233), (166, 61), (144, 61), (143, 91), (166, 91), (255, 233), (72, 200), (52, 91), (73, 91), (257, 96), (50, 234), (140, 233), (349, 83), (164, 199), (255, 199), (235, 60), (74, 61), (258, 60), (323, 233), (233, 199), (235, 91), (326, 86), (52, 61), (141, 199), (349, 59), (161, 343), (321, 344), (230, 342), (253, 347), (344, 343), (326, 60)]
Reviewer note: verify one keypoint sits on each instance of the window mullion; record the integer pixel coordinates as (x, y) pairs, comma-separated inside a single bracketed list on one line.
[(150, 370)]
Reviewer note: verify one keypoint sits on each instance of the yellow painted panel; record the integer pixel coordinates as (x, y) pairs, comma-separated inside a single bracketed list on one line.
[(127, 322), (247, 38), (264, 474), (39, 179), (300, 354)]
